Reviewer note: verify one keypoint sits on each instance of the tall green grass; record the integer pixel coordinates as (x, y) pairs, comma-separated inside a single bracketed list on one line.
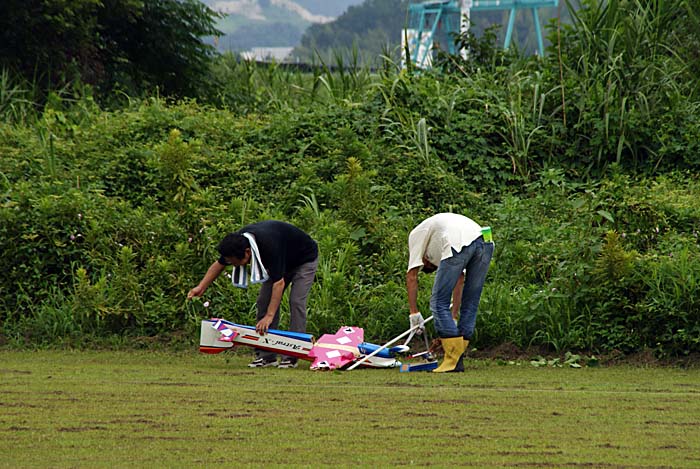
[(622, 64), (17, 100), (248, 87)]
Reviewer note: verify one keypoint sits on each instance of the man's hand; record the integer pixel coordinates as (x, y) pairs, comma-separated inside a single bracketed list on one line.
[(416, 320), (196, 291), (263, 325)]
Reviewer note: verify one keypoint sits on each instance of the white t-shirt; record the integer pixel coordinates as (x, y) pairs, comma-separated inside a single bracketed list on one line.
[(435, 237)]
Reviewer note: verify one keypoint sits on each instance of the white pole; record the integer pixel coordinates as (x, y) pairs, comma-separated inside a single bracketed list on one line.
[(465, 8), (367, 357)]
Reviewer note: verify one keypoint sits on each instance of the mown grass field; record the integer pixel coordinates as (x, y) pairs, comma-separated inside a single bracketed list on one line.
[(139, 409)]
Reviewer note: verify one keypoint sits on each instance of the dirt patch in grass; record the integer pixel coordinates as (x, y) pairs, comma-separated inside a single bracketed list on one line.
[(19, 372), (647, 357), (161, 383), (507, 351), (18, 404), (644, 358), (80, 429), (123, 421)]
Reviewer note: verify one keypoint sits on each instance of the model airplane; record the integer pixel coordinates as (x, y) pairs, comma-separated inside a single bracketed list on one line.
[(330, 352)]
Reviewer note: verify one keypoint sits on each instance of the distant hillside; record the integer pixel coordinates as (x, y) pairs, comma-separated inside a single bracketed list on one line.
[(329, 27), (374, 28), (328, 7), (271, 23)]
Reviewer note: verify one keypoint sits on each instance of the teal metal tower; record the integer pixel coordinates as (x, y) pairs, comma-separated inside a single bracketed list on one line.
[(432, 23)]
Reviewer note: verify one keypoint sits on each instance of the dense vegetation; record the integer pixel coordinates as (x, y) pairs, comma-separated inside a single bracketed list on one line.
[(113, 45), (584, 163)]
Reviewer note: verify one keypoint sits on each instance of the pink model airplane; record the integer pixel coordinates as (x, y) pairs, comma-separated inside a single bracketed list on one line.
[(337, 350)]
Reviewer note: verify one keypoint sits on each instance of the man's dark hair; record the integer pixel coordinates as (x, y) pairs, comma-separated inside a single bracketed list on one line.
[(233, 245)]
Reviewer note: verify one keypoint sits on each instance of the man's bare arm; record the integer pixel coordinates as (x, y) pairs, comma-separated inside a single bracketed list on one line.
[(212, 273), (412, 289), (275, 299)]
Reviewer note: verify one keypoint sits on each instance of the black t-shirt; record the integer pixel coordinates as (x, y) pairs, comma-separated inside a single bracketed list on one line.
[(283, 247)]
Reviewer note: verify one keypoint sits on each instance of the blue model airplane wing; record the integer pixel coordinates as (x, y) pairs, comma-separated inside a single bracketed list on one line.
[(366, 348)]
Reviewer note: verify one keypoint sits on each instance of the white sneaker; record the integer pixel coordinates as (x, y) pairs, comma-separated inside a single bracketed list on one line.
[(288, 362), (262, 363)]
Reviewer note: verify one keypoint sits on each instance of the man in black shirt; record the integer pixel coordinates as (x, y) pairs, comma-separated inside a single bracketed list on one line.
[(276, 254)]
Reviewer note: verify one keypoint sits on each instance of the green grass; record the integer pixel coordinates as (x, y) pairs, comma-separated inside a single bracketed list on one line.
[(97, 409)]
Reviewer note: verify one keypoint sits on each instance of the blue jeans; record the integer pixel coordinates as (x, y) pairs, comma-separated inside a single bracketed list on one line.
[(475, 258)]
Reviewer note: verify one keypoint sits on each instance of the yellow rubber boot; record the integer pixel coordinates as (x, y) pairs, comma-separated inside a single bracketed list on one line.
[(453, 347), (460, 363)]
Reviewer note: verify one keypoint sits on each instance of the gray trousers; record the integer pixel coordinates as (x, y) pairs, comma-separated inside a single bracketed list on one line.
[(300, 280)]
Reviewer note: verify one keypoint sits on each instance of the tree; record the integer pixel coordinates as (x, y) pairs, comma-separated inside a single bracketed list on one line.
[(50, 41), (131, 45), (151, 43)]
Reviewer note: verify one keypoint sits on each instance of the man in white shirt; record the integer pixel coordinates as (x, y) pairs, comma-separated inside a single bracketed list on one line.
[(453, 245)]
